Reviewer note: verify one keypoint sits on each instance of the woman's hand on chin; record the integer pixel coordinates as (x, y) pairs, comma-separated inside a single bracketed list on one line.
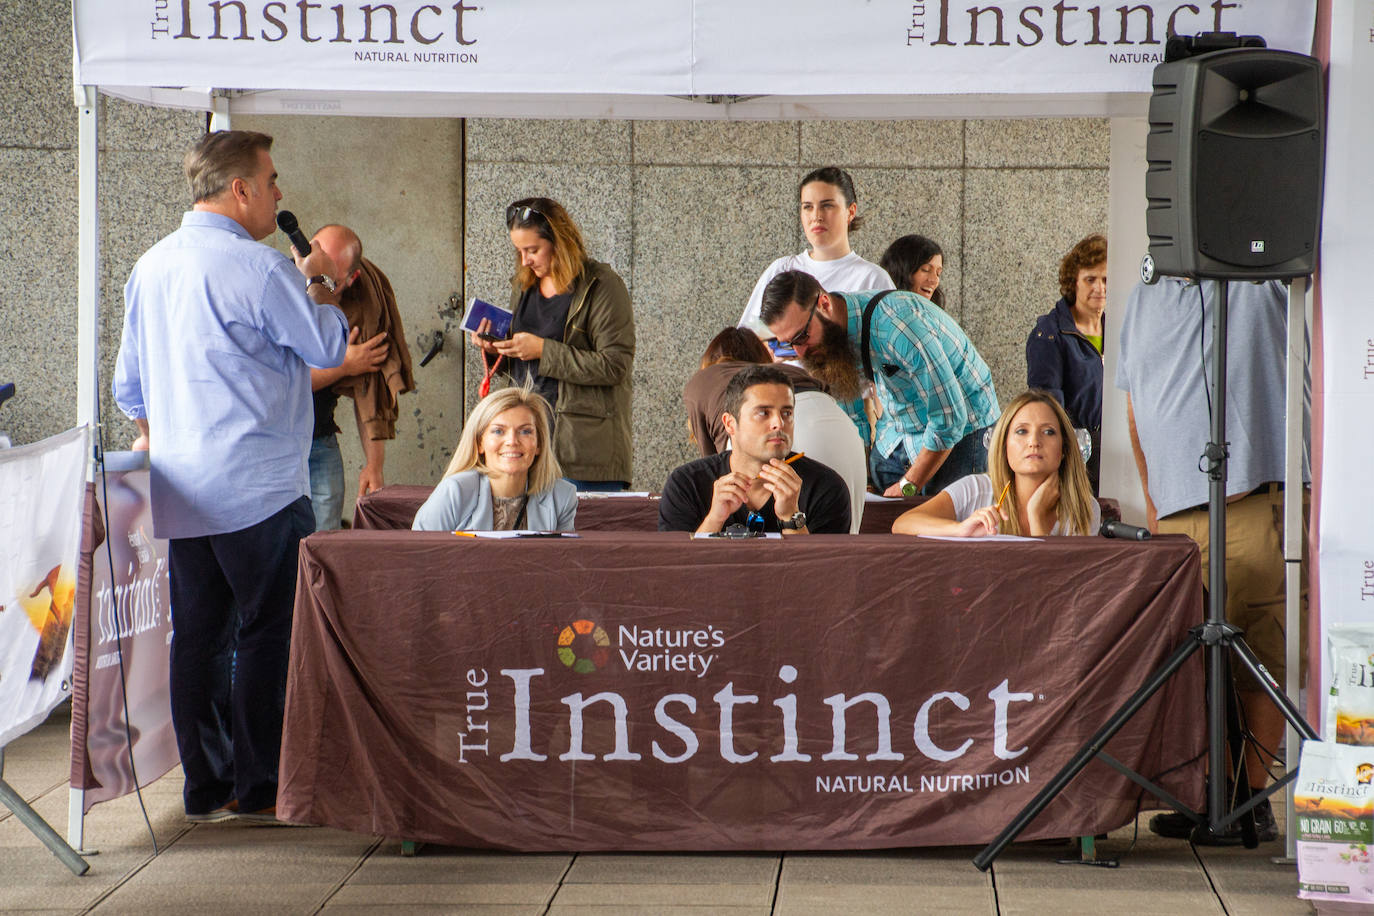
[(1042, 508)]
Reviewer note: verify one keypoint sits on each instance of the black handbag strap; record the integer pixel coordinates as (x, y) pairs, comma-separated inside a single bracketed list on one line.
[(863, 333)]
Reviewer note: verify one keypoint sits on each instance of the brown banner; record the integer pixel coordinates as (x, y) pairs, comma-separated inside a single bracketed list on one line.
[(129, 615), (648, 691)]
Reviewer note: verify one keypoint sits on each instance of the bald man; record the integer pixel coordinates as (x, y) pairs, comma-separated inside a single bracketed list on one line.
[(345, 252)]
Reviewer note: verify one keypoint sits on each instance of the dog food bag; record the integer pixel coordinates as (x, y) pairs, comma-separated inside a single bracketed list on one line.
[(1333, 801), (1350, 701)]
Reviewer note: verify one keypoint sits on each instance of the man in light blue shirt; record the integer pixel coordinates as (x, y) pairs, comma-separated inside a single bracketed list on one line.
[(935, 390), (214, 368)]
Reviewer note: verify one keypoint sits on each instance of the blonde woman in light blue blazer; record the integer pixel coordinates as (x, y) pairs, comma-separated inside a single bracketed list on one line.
[(503, 475)]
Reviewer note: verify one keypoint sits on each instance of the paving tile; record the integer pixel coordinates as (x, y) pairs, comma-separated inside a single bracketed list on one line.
[(434, 867), (673, 869), (656, 896), (225, 895), (852, 899), (924, 867), (1154, 902), (711, 908), (404, 895), (466, 909)]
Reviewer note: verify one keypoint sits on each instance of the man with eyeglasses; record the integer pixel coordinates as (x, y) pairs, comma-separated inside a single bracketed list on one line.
[(760, 485), (935, 391)]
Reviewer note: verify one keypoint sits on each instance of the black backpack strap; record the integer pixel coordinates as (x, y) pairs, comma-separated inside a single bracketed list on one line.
[(863, 333)]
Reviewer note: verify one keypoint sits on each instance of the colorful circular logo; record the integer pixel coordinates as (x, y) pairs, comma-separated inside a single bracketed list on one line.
[(584, 647)]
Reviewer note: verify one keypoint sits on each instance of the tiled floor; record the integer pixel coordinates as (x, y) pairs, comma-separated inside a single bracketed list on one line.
[(229, 868)]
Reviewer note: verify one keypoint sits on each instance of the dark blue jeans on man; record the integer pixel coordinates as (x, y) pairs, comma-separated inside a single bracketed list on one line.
[(969, 456), (232, 599)]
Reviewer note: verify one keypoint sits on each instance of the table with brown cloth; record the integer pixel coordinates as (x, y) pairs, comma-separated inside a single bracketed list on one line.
[(647, 691)]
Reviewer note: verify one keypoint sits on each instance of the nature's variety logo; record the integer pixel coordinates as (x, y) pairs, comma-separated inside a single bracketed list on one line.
[(1364, 773), (584, 647)]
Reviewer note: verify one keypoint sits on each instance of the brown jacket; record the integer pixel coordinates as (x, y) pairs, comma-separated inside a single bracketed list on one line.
[(370, 306)]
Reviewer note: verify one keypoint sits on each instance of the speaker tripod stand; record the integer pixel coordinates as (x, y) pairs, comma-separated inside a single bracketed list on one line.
[(1222, 642)]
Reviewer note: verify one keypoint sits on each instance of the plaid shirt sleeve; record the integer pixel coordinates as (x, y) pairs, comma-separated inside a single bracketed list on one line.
[(927, 398)]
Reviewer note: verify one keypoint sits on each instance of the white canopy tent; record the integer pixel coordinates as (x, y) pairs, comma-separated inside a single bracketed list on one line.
[(689, 59)]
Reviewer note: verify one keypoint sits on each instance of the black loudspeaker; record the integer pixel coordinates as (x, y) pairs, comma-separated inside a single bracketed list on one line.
[(1235, 155)]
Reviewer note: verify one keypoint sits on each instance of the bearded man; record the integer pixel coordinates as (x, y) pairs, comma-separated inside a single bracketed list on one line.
[(935, 391)]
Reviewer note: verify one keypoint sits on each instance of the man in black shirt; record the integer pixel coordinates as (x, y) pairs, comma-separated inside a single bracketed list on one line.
[(757, 478)]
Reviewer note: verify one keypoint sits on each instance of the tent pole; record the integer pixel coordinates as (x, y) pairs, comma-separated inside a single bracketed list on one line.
[(88, 324), (1296, 414)]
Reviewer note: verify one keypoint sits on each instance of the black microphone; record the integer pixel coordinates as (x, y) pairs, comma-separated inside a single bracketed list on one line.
[(286, 222), (1115, 529)]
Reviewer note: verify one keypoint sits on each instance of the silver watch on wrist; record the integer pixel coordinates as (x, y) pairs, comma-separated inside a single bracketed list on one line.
[(326, 282), (794, 523)]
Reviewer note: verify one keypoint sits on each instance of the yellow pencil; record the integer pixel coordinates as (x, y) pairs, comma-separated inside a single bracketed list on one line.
[(1003, 496), (465, 534), (794, 457)]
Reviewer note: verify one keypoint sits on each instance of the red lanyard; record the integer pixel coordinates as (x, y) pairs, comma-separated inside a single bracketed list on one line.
[(485, 389)]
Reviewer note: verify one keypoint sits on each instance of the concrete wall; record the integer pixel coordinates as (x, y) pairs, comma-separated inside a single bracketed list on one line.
[(688, 212)]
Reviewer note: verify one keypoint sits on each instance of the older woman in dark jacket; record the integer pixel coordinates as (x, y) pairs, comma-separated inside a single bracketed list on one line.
[(1064, 350)]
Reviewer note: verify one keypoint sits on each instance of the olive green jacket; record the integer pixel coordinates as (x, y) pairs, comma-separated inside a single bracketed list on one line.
[(593, 365)]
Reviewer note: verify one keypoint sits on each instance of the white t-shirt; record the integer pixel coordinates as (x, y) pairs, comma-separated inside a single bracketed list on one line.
[(848, 274), (973, 492)]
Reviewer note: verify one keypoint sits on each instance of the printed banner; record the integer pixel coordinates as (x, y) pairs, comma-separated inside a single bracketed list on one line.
[(42, 487), (650, 691), (123, 634), (1347, 535), (676, 47)]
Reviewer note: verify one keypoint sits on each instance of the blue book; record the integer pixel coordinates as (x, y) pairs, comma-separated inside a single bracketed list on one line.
[(500, 318)]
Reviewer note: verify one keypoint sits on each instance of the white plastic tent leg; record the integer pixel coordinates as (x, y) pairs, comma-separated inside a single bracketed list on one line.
[(1299, 305), (88, 324)]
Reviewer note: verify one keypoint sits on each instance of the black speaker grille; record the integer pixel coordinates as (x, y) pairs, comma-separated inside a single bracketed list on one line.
[(1257, 199)]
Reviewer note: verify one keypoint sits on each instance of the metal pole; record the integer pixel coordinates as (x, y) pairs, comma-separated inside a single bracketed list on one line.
[(1294, 464), (39, 827), (1216, 569)]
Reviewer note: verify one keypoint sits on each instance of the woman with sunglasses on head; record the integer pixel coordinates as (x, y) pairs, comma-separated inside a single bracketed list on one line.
[(1036, 483), (915, 263), (573, 339), (503, 475), (829, 213)]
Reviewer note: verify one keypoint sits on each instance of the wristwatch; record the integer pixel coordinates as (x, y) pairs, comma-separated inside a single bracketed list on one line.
[(908, 488), (794, 523), (326, 282)]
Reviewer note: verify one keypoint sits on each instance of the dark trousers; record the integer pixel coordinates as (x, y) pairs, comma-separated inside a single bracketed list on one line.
[(969, 456), (232, 599)]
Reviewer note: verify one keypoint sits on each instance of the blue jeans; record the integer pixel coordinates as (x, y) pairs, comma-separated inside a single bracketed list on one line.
[(599, 486), (326, 482), (969, 456), (232, 599)]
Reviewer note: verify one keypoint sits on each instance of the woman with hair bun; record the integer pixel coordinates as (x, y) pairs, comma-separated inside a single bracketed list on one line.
[(573, 339), (829, 210)]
